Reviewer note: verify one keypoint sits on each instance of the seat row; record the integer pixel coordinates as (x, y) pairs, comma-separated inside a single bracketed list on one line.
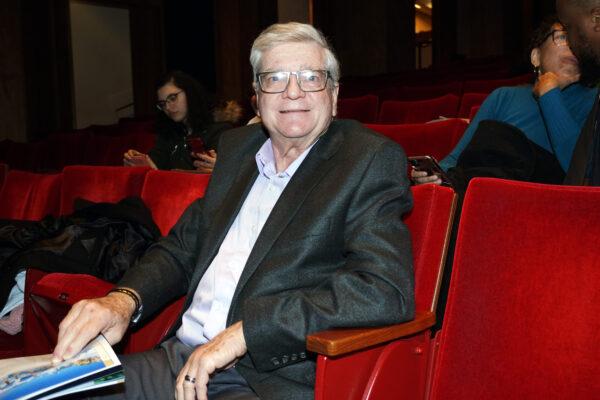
[(520, 319), (73, 148), (372, 109)]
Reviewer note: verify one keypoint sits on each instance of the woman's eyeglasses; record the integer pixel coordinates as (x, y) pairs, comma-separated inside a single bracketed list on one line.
[(559, 37), (172, 98)]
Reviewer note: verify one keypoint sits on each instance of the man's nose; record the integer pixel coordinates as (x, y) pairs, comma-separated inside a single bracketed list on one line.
[(293, 90)]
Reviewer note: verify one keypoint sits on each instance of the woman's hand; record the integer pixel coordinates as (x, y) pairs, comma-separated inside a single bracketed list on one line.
[(421, 177), (205, 162), (549, 80), (133, 158)]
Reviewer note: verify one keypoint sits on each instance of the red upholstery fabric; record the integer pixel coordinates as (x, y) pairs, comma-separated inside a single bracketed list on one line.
[(140, 141), (372, 373), (100, 183), (436, 139), (3, 173), (405, 112), (363, 109), (473, 112), (488, 85), (468, 101), (423, 92), (24, 156), (521, 320), (168, 193), (30, 196)]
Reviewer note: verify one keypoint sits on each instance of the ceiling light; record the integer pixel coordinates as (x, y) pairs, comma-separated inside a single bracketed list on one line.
[(418, 6)]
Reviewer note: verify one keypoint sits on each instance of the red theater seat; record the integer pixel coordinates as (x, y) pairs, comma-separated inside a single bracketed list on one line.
[(436, 138), (349, 370), (167, 194), (30, 196), (418, 111), (521, 319), (424, 92), (100, 184), (468, 101), (363, 109)]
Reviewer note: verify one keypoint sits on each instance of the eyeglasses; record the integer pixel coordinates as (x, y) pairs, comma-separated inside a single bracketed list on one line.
[(308, 80), (172, 98), (559, 37)]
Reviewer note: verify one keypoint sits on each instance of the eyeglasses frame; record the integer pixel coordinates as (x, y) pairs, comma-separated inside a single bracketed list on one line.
[(295, 73), (551, 33), (171, 98)]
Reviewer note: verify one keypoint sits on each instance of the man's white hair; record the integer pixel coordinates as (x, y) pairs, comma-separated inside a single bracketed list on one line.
[(292, 32)]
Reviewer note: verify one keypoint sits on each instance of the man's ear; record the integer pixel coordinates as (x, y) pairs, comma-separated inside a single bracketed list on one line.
[(334, 94), (256, 94)]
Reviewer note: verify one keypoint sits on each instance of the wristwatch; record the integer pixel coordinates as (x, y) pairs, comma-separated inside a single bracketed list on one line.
[(139, 307)]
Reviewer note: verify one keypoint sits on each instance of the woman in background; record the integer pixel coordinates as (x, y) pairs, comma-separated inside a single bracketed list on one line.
[(187, 128), (550, 112)]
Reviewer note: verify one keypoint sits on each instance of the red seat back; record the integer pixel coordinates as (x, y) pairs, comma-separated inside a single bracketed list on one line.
[(521, 320), (424, 92), (363, 108), (436, 139), (30, 196), (372, 373), (100, 184), (167, 194), (468, 101), (406, 112)]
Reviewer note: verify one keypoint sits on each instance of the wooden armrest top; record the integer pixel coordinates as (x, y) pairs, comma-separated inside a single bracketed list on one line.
[(336, 342)]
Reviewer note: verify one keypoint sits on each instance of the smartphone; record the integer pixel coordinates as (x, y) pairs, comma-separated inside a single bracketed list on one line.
[(431, 166)]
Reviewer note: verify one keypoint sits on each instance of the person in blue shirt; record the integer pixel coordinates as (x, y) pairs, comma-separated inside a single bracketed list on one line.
[(550, 112)]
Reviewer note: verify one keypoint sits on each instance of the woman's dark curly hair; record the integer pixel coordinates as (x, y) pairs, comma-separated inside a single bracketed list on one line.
[(199, 103), (539, 36)]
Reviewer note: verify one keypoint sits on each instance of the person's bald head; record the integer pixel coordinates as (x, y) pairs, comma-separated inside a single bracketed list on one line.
[(581, 18)]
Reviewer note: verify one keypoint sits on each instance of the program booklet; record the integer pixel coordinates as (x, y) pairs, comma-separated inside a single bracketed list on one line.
[(36, 377)]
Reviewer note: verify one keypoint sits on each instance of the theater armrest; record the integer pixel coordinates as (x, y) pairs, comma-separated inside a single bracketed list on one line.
[(337, 342)]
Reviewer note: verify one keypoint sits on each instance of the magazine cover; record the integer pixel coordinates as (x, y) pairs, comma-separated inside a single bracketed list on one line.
[(37, 378)]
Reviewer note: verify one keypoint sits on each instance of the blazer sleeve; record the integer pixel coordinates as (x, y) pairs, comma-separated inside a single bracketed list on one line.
[(164, 272), (373, 285)]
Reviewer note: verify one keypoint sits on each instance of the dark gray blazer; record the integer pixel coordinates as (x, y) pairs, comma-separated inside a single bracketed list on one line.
[(334, 251)]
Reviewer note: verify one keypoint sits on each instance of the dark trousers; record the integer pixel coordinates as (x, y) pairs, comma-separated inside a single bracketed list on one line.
[(152, 375)]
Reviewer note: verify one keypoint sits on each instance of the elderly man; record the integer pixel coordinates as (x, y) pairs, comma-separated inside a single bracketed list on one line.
[(300, 230), (581, 18)]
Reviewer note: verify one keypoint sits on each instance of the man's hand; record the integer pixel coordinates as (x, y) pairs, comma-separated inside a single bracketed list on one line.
[(220, 353), (109, 315), (205, 162), (421, 177)]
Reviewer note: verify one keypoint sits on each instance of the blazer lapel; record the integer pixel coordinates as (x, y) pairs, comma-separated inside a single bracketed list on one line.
[(312, 170)]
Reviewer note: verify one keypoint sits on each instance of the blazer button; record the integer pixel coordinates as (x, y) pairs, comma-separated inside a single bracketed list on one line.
[(285, 359), (294, 357), (303, 355), (275, 361)]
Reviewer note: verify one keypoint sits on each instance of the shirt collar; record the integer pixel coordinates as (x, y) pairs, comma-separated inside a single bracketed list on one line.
[(265, 161)]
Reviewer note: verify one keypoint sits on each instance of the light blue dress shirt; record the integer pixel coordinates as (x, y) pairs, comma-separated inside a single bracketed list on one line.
[(207, 315)]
